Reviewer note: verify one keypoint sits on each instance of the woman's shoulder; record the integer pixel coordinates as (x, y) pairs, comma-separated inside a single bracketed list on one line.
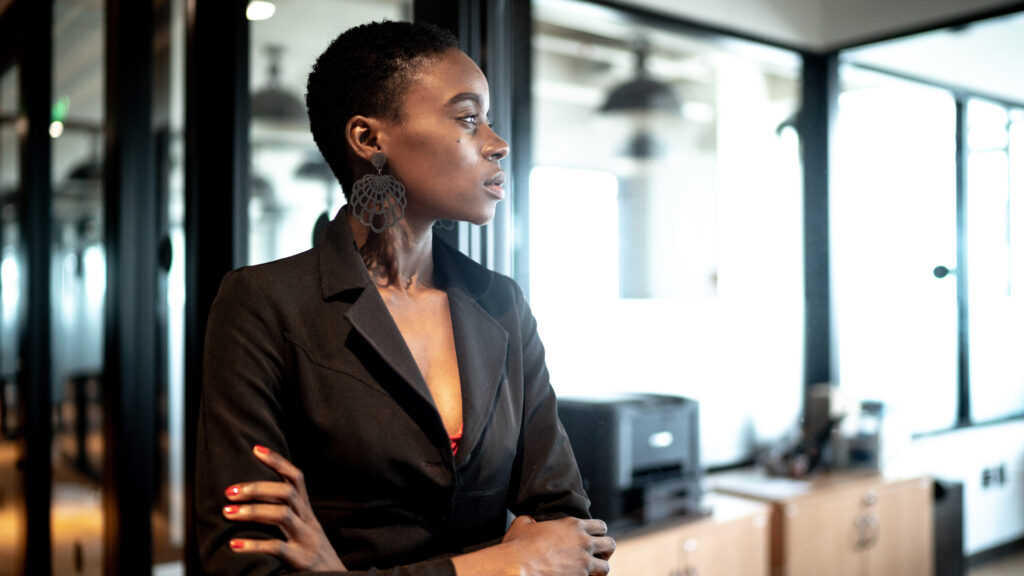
[(288, 277)]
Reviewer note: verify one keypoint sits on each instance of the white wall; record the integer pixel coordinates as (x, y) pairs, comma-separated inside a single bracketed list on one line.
[(820, 24)]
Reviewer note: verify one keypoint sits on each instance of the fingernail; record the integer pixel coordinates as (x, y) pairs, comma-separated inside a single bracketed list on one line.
[(231, 509), (236, 544), (233, 490), (262, 449)]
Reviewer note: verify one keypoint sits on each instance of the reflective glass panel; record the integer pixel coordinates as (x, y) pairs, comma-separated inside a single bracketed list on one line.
[(291, 186), (13, 276), (78, 285), (666, 239), (168, 519)]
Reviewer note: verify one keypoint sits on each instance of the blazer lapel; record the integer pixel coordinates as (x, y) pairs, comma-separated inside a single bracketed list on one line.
[(481, 342), (343, 274), (482, 348), (370, 318)]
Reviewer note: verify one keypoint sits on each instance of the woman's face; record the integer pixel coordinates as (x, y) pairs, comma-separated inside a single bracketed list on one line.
[(443, 149)]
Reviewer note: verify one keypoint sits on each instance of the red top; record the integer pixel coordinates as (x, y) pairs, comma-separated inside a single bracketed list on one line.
[(455, 440)]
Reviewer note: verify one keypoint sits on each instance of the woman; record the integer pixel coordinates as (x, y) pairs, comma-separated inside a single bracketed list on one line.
[(405, 381)]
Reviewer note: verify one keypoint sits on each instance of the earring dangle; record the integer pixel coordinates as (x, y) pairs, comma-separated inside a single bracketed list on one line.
[(378, 197)]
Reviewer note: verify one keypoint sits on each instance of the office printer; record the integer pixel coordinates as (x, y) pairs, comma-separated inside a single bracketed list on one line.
[(638, 455)]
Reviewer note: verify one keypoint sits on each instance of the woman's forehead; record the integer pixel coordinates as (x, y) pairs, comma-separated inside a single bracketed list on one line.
[(450, 79)]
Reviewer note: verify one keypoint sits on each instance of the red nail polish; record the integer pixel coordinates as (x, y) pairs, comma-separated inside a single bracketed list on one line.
[(262, 449), (233, 491), (231, 509), (236, 544)]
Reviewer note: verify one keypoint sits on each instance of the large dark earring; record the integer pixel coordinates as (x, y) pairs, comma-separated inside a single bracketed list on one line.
[(378, 197)]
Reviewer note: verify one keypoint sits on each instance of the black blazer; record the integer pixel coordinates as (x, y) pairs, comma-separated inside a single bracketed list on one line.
[(302, 356)]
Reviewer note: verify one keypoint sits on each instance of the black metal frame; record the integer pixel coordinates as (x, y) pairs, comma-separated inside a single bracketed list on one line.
[(130, 358), (963, 412), (26, 29), (216, 188), (820, 100)]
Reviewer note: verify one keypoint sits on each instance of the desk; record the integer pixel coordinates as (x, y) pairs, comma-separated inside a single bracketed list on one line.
[(732, 540), (842, 523)]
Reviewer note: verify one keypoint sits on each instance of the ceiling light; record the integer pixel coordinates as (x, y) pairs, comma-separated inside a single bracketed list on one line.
[(642, 94), (260, 10), (273, 101)]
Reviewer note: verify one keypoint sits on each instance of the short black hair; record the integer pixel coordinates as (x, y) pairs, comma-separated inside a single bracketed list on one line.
[(366, 71)]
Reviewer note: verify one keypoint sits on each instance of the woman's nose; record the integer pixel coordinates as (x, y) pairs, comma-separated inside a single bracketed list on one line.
[(497, 149)]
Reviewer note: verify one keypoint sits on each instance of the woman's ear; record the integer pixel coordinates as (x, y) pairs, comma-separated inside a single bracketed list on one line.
[(363, 136)]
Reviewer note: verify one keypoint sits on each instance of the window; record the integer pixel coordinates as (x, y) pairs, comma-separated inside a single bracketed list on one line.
[(291, 185), (666, 245), (995, 215)]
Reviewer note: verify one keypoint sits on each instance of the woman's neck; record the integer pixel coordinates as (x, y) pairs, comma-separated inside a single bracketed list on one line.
[(410, 247)]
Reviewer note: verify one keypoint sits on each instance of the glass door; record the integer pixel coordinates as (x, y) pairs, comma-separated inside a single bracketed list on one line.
[(893, 243), (12, 316)]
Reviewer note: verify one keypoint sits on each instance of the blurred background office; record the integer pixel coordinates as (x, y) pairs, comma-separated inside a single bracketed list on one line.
[(766, 199)]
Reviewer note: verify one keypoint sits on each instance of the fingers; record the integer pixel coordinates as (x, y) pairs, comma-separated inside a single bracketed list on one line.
[(274, 492), (603, 547), (288, 471), (599, 567), (522, 521), (277, 548), (273, 514), (595, 527)]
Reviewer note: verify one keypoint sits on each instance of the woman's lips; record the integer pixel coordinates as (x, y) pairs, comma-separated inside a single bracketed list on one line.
[(495, 183)]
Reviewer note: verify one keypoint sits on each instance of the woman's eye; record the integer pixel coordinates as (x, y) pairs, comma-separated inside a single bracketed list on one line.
[(471, 120)]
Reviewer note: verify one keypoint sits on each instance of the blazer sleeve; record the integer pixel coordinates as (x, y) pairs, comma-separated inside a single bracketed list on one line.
[(546, 481), (244, 368)]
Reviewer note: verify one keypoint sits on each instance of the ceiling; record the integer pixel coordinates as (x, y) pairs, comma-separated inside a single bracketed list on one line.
[(983, 57)]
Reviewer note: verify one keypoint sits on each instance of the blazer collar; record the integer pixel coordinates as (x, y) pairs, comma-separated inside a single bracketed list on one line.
[(341, 266), (480, 340)]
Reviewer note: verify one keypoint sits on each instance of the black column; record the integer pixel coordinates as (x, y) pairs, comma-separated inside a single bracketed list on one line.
[(817, 116), (216, 190), (963, 412), (34, 374), (520, 135), (130, 375)]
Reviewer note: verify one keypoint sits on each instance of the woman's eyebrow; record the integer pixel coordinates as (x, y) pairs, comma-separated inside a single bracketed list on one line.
[(463, 96)]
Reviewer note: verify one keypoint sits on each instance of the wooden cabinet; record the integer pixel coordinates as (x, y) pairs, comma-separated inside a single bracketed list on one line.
[(843, 524), (731, 541)]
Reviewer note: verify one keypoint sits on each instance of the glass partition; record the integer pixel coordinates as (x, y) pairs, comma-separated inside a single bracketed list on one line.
[(292, 187), (665, 219), (78, 285), (168, 518), (13, 277)]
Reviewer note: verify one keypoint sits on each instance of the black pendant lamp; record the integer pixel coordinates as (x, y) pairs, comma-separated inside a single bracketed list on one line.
[(642, 94), (273, 102)]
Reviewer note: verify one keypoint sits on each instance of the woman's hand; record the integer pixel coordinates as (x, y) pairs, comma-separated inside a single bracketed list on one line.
[(286, 506), (565, 547)]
